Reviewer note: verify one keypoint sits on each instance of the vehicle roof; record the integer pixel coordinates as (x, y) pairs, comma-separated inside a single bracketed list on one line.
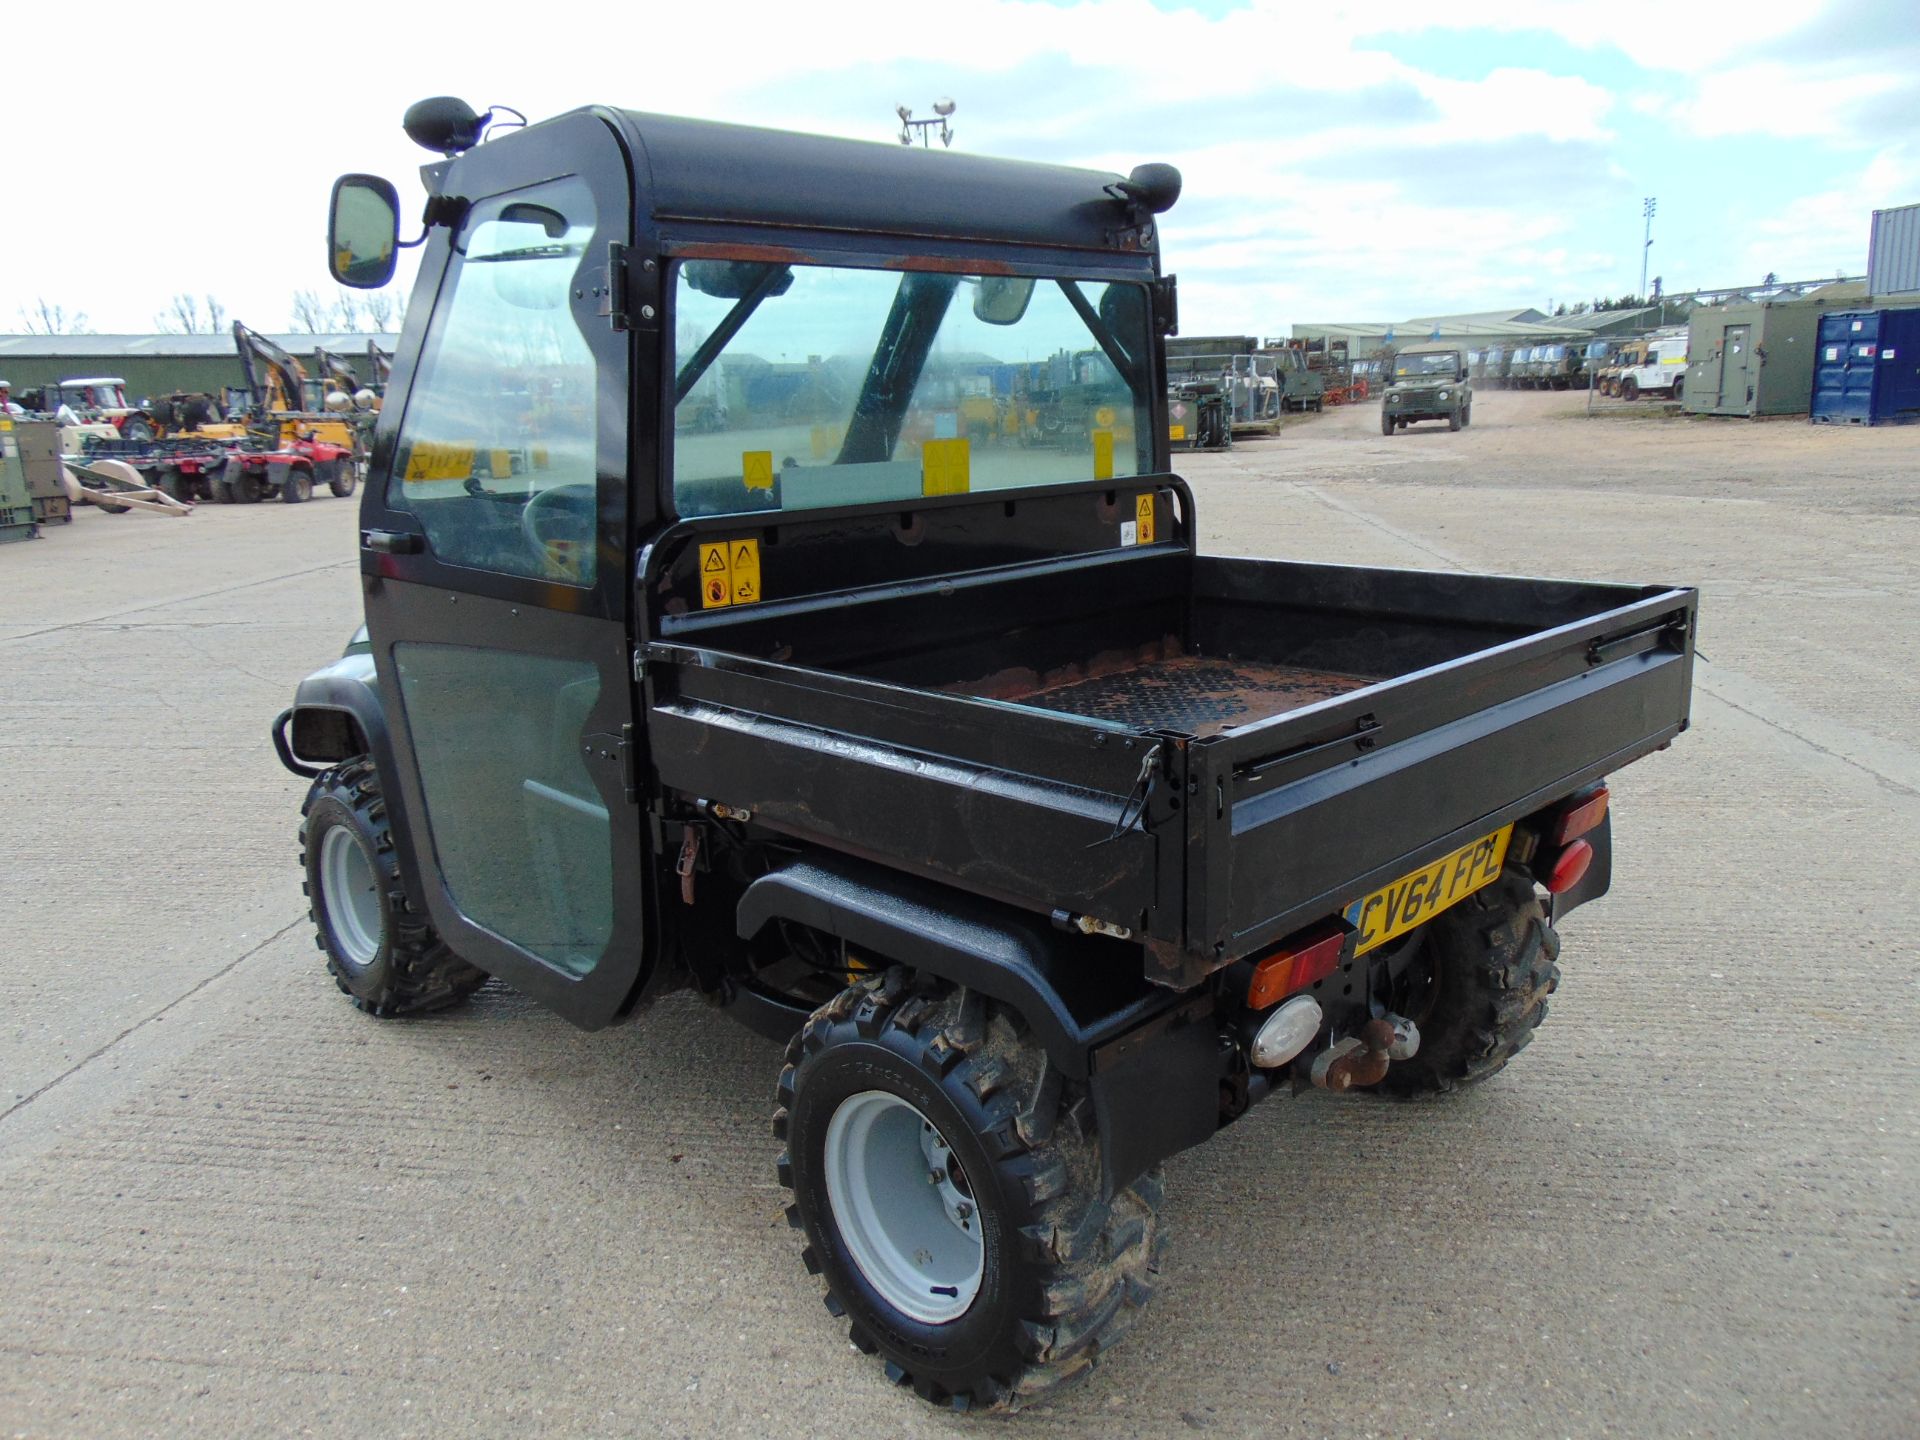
[(1429, 348), (741, 174), (95, 380)]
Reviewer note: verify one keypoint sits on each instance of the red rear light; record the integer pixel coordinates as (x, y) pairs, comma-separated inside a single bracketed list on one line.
[(1580, 819), (1300, 960), (1569, 867)]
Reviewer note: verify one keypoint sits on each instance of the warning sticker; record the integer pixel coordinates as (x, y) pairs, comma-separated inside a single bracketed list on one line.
[(1103, 454), (1143, 517), (756, 468), (729, 573), (946, 467), (1176, 432), (716, 576), (744, 557)]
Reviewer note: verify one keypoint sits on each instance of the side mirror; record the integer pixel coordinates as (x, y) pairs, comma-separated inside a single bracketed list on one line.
[(1002, 299), (363, 231)]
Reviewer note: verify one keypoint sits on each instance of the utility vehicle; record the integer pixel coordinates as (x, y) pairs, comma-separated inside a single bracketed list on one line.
[(1429, 383), (1046, 844)]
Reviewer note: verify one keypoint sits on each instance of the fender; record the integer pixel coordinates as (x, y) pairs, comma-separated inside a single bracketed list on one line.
[(1599, 877), (1150, 1056), (335, 716)]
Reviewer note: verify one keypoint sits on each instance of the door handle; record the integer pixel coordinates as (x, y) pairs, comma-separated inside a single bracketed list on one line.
[(390, 542)]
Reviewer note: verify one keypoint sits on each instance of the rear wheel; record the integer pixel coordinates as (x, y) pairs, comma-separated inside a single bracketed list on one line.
[(950, 1199), (385, 957), (1679, 385), (298, 486), (341, 477), (1478, 990), (175, 486), (1466, 415), (242, 487)]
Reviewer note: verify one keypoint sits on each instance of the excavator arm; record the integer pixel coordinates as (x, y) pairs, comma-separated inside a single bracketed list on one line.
[(276, 380)]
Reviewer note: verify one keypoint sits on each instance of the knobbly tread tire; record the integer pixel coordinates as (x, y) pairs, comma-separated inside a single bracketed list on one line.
[(415, 972), (1496, 959), (1082, 1269)]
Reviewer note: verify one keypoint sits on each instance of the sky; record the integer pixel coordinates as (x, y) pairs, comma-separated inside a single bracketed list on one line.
[(1343, 161)]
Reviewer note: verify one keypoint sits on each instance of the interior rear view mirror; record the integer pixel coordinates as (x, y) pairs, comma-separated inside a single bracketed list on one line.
[(1001, 299), (363, 231)]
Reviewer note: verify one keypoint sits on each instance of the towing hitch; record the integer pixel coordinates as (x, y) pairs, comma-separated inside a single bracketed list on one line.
[(1362, 1060)]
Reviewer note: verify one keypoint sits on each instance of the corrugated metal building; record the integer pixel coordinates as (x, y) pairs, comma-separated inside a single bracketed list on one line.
[(1893, 255), (1365, 338), (158, 364), (1756, 358)]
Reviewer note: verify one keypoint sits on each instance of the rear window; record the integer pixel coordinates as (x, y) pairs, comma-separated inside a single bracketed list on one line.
[(803, 386)]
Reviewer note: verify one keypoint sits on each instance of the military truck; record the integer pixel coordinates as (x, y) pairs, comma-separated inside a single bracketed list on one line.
[(1429, 383), (1046, 844)]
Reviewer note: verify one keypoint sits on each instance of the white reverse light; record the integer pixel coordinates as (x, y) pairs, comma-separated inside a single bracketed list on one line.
[(1287, 1032)]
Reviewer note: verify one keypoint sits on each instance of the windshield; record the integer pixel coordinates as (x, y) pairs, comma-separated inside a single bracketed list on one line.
[(1446, 362), (799, 386)]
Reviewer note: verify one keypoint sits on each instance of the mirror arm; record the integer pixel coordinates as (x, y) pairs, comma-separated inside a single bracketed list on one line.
[(447, 210)]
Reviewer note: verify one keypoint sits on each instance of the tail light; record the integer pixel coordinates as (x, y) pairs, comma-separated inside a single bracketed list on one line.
[(1300, 960), (1587, 812), (1569, 867)]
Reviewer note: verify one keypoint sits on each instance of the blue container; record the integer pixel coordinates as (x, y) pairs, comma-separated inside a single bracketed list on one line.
[(1867, 369)]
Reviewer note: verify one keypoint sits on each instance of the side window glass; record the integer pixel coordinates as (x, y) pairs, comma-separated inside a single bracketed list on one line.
[(496, 453)]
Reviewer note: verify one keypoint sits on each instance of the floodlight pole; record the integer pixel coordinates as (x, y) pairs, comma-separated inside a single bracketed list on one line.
[(942, 109), (1646, 209)]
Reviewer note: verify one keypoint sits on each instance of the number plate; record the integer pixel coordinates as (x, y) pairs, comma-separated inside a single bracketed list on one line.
[(1416, 898)]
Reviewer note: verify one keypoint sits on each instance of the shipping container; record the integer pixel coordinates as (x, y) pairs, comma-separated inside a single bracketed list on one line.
[(1756, 357), (1868, 369), (1893, 255)]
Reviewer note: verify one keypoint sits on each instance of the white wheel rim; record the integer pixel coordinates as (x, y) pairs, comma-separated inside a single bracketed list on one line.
[(350, 889), (903, 1207)]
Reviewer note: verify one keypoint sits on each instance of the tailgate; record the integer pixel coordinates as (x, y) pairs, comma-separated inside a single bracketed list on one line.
[(1301, 815)]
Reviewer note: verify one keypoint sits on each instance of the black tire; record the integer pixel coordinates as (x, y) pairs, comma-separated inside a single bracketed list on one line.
[(1064, 1273), (244, 488), (175, 486), (1386, 424), (138, 430), (1466, 415), (1629, 389), (298, 486), (1679, 385), (411, 971), (1489, 966), (342, 477)]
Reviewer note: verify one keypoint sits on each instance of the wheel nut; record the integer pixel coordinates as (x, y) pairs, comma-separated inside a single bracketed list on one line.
[(936, 1177)]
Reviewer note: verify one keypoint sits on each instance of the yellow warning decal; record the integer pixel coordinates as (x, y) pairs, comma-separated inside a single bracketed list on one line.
[(946, 467), (756, 468), (1176, 432), (432, 460), (744, 558), (716, 576), (1143, 518), (1103, 454), (729, 573)]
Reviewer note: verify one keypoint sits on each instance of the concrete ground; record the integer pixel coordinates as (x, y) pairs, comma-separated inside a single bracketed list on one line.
[(231, 1205)]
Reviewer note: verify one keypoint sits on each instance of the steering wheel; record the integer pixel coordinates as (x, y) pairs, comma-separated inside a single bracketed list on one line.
[(558, 524)]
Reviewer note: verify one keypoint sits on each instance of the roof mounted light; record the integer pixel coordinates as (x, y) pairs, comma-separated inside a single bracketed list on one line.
[(444, 124), (1153, 187)]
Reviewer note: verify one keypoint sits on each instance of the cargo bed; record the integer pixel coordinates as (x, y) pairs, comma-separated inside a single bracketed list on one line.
[(1207, 752)]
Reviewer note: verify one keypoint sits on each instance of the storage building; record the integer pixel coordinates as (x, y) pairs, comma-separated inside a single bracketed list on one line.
[(159, 364), (1756, 357)]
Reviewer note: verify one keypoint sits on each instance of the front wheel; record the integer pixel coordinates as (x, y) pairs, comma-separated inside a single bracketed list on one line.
[(950, 1199), (298, 486), (1386, 425), (385, 957), (1629, 389)]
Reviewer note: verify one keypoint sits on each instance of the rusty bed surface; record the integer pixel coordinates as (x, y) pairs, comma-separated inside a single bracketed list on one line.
[(1160, 688)]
